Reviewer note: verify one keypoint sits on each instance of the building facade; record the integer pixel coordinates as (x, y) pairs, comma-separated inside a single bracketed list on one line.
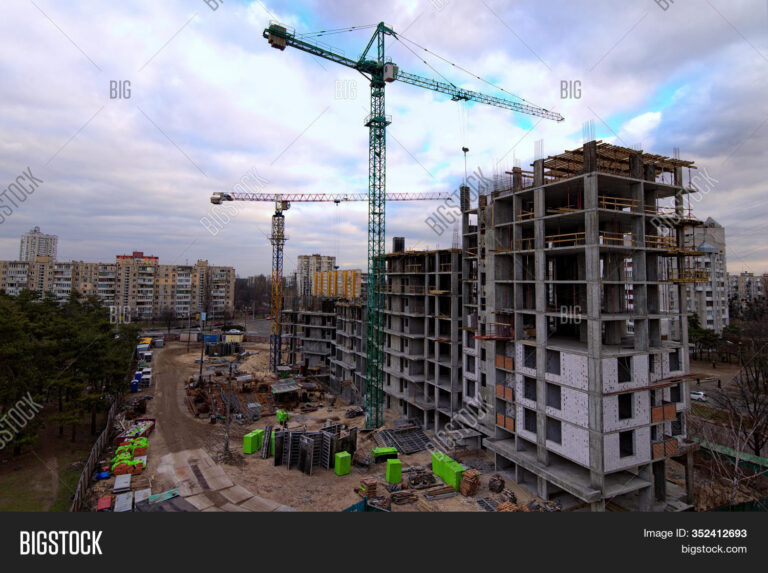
[(580, 394), (36, 244), (709, 299), (134, 287), (344, 284), (307, 266)]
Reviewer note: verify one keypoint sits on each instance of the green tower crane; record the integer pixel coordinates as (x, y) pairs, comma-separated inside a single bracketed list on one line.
[(378, 70)]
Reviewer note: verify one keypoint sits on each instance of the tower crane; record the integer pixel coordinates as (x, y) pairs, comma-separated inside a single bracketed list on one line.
[(374, 65), (277, 240)]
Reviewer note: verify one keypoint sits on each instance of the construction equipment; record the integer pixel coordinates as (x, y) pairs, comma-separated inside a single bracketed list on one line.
[(380, 71), (277, 239)]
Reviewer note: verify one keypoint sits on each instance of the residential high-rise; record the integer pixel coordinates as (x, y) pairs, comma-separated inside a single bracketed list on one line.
[(746, 288), (135, 286), (307, 266), (709, 300), (36, 244), (344, 284), (571, 399)]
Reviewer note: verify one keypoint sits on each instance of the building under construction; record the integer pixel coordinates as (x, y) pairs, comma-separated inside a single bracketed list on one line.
[(554, 338)]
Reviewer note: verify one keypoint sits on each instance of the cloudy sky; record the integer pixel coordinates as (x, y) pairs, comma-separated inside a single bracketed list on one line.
[(212, 106)]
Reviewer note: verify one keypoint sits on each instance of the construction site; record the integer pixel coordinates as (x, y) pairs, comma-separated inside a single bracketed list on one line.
[(541, 363)]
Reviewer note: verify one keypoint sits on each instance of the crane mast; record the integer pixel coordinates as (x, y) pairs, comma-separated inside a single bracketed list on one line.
[(379, 71)]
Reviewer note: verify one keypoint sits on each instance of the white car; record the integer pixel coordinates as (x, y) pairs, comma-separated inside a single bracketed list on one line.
[(699, 396)]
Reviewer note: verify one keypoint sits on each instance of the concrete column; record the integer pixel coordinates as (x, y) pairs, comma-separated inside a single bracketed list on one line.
[(594, 335), (590, 156), (597, 505), (542, 488), (660, 479), (541, 322), (646, 494)]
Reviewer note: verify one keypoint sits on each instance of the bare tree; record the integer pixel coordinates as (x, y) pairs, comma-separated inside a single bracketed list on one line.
[(746, 401), (724, 478)]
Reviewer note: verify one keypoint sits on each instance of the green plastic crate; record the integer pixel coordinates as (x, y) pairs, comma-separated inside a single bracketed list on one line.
[(394, 471), (272, 444), (376, 452), (439, 460), (453, 473), (252, 442), (342, 464)]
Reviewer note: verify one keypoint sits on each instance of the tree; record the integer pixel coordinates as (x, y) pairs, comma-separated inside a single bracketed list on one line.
[(746, 402), (168, 317)]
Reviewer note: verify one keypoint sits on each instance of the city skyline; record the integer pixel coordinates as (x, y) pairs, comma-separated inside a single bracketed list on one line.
[(138, 168)]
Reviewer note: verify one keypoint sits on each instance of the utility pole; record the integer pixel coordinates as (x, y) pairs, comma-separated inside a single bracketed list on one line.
[(229, 394), (202, 346)]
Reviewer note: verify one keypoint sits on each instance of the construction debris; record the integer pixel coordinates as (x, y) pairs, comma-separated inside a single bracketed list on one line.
[(403, 497), (421, 479), (496, 484), (440, 492), (487, 504), (470, 482)]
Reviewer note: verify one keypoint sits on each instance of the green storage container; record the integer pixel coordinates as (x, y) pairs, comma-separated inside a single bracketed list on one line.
[(439, 460), (394, 471), (382, 454), (272, 444), (252, 442), (453, 473), (342, 464)]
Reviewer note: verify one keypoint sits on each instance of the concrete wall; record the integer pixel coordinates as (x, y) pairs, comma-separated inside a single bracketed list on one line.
[(642, 455), (641, 412)]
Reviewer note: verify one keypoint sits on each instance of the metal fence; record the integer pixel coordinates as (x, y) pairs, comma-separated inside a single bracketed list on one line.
[(80, 499)]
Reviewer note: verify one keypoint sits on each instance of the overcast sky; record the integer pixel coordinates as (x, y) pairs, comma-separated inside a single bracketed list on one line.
[(212, 105)]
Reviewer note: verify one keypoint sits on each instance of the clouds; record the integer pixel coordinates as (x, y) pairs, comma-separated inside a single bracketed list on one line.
[(211, 100)]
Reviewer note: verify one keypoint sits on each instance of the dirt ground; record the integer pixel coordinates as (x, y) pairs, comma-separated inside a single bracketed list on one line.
[(178, 430)]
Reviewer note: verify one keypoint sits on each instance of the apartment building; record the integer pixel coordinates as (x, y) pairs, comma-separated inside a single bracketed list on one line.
[(35, 244), (346, 284), (572, 401), (348, 363), (709, 299), (135, 287), (309, 332), (307, 266), (746, 288), (422, 318)]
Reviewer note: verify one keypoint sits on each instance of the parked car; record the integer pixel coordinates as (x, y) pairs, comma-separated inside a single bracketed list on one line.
[(699, 396)]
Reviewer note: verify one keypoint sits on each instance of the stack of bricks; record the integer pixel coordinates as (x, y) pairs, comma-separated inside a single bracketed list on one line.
[(368, 487), (470, 482)]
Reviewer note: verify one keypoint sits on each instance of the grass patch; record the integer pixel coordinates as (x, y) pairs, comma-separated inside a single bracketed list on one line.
[(67, 483), (708, 412)]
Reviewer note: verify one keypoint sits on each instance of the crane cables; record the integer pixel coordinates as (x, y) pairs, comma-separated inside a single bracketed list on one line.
[(336, 31), (466, 71)]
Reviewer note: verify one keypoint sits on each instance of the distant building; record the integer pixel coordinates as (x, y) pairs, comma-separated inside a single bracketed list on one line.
[(307, 266), (36, 244), (135, 286), (709, 300), (746, 288), (344, 284)]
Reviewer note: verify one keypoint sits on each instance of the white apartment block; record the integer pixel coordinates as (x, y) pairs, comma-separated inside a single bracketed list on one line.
[(36, 244)]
